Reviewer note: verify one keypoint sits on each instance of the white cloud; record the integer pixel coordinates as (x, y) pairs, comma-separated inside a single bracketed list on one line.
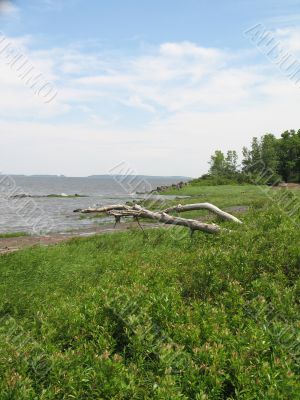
[(7, 8), (289, 39), (165, 110), (135, 101), (189, 49)]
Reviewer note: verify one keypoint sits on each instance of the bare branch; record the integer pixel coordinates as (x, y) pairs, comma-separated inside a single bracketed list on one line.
[(136, 211), (204, 206), (169, 220), (103, 209)]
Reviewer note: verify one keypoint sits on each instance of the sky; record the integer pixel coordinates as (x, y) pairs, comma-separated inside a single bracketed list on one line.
[(154, 85)]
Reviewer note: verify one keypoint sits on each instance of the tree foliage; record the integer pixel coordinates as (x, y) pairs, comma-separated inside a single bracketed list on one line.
[(269, 159), (224, 165)]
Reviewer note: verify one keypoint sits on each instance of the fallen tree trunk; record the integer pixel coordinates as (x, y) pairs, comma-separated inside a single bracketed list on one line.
[(204, 206), (192, 224), (136, 211), (139, 212)]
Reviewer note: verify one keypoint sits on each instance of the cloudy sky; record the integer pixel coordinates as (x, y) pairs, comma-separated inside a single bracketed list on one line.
[(156, 84)]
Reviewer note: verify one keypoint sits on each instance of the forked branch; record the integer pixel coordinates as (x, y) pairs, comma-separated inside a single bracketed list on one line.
[(136, 211), (204, 206)]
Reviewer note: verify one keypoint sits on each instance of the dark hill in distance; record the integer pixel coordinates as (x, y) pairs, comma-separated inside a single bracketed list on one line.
[(183, 178)]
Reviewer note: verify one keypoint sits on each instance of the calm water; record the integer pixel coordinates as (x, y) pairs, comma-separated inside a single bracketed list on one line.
[(41, 214)]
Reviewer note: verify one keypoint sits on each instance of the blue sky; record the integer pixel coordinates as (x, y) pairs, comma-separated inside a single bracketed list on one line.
[(127, 24), (158, 85)]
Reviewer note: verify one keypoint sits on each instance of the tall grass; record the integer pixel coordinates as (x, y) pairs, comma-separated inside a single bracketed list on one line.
[(126, 316)]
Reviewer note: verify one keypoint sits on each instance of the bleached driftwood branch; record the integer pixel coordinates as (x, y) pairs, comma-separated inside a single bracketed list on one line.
[(204, 206), (192, 224), (136, 211), (140, 212), (104, 209)]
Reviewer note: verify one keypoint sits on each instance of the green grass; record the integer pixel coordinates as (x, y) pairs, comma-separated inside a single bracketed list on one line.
[(228, 195), (93, 216), (12, 235), (123, 316)]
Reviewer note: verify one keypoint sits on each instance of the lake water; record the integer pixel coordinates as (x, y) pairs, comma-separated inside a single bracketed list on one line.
[(37, 213)]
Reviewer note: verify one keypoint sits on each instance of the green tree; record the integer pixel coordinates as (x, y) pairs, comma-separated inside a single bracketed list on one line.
[(247, 159), (269, 151), (252, 161), (289, 156), (231, 163), (267, 161), (224, 166), (217, 164)]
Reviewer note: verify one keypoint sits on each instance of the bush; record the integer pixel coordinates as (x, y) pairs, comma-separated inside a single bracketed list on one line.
[(125, 317), (215, 180)]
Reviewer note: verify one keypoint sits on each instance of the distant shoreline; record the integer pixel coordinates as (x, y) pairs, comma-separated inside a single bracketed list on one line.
[(185, 178)]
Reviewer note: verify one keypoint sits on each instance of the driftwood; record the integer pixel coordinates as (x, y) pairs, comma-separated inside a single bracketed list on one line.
[(204, 206), (104, 209), (139, 212), (136, 211), (192, 224)]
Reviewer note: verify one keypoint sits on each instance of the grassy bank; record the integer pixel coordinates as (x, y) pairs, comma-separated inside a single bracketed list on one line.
[(231, 195), (12, 235), (165, 316)]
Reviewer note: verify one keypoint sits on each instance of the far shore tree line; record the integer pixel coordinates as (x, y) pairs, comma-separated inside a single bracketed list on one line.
[(273, 159)]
